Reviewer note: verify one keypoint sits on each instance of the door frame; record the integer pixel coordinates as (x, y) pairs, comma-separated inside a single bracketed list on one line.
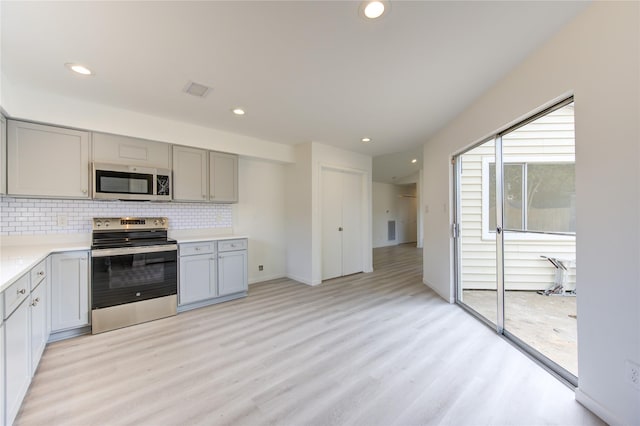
[(554, 368), (366, 213)]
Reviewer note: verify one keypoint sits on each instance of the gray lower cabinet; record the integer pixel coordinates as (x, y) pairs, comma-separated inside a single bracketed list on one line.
[(197, 272), (38, 304), (17, 359), (206, 277), (232, 272), (2, 419), (69, 290)]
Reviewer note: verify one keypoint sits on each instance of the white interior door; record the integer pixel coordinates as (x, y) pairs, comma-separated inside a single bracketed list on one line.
[(341, 223), (331, 224), (351, 223)]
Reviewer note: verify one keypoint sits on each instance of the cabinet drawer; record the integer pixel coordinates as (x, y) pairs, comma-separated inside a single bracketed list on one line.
[(231, 245), (15, 294), (189, 249), (38, 274)]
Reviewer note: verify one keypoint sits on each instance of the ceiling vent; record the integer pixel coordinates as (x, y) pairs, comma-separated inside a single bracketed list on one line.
[(196, 89)]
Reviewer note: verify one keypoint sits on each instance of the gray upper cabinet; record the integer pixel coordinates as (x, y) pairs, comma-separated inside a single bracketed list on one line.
[(117, 149), (200, 175), (189, 174), (223, 177), (47, 161), (3, 155)]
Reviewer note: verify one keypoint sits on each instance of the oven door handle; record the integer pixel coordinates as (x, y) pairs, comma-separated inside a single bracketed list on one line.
[(121, 251)]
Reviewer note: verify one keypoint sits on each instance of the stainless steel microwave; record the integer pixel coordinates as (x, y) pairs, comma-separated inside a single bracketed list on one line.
[(120, 182)]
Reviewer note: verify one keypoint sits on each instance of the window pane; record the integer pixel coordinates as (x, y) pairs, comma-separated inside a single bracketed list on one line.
[(512, 196), (551, 194)]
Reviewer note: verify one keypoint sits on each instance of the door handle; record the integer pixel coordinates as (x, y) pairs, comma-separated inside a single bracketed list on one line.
[(499, 230)]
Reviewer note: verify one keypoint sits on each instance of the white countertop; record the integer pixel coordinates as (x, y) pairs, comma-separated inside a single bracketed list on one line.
[(17, 259), (19, 254)]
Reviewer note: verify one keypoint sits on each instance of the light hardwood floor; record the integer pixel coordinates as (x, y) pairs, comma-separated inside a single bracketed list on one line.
[(368, 349)]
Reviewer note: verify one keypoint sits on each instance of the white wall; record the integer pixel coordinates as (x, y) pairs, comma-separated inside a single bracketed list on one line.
[(407, 214), (260, 214), (298, 215), (389, 205), (597, 58), (30, 104), (384, 209)]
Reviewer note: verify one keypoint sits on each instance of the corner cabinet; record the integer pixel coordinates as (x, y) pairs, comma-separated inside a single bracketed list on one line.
[(69, 290), (204, 176), (47, 161), (26, 331)]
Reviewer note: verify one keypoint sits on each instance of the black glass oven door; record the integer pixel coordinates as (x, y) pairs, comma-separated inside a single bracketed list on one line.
[(124, 278)]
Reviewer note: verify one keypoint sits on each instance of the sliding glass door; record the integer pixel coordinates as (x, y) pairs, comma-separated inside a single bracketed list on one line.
[(518, 213)]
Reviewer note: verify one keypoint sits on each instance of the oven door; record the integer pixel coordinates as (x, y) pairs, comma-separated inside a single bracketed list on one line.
[(132, 274)]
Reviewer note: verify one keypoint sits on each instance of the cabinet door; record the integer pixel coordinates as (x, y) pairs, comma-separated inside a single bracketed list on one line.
[(130, 151), (190, 175), (17, 359), (232, 272), (69, 290), (223, 177), (39, 326), (47, 161), (197, 278), (2, 381), (3, 157)]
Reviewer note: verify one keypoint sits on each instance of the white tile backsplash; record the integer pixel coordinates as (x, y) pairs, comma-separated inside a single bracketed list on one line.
[(28, 216)]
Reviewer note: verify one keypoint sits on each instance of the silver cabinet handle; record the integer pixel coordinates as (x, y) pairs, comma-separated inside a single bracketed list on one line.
[(22, 291), (84, 191), (35, 301)]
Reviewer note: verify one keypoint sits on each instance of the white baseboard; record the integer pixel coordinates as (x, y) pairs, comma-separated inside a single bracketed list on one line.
[(448, 298), (300, 279), (266, 278), (597, 409)]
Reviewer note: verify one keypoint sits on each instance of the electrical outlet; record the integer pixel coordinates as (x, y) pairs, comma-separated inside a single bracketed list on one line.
[(632, 372), (62, 220), (260, 268)]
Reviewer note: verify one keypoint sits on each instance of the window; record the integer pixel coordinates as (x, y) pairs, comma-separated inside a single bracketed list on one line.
[(537, 196)]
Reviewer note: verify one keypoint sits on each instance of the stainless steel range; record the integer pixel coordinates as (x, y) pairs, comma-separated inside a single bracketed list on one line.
[(133, 272)]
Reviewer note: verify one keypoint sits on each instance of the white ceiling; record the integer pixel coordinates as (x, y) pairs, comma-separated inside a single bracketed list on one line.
[(303, 70)]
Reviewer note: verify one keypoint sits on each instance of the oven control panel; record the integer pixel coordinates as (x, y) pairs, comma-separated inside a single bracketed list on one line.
[(129, 223)]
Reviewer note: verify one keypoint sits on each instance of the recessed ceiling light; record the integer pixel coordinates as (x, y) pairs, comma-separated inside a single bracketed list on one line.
[(415, 160), (238, 111), (366, 139), (374, 9), (77, 68)]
